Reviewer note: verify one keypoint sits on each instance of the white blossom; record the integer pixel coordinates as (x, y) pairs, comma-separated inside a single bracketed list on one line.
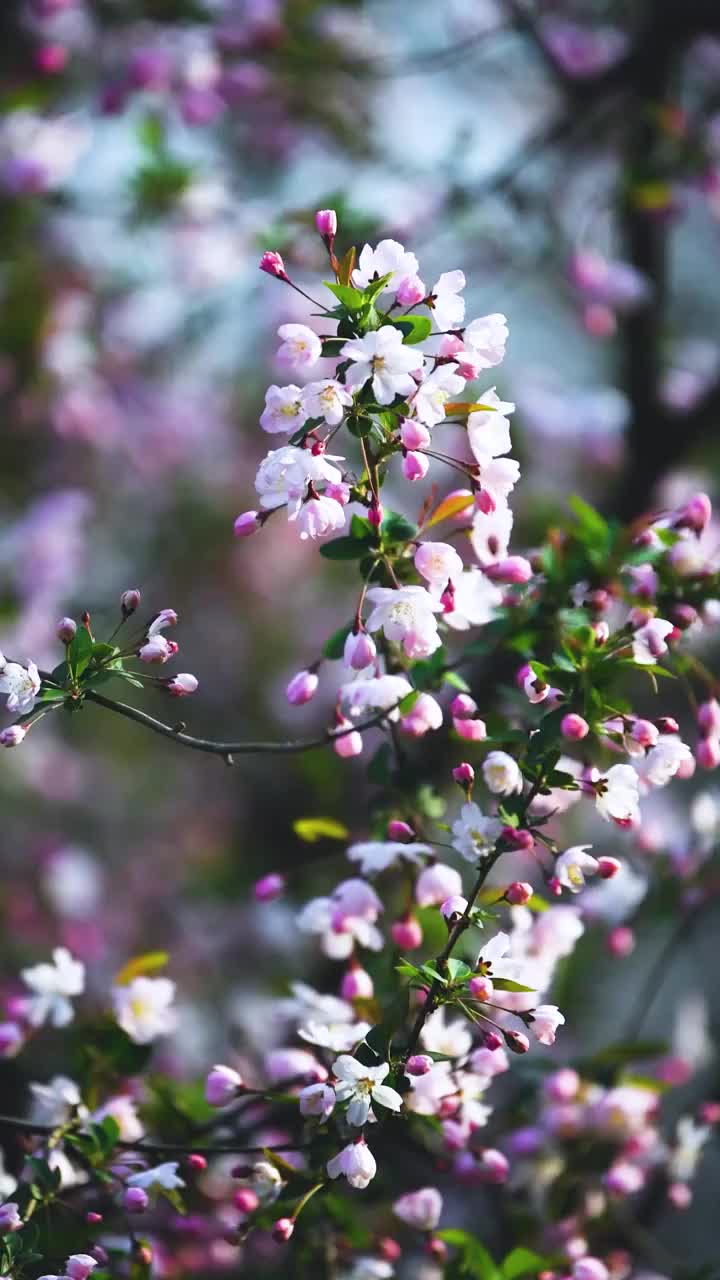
[(502, 774), (54, 984), (388, 257), (284, 474), (380, 355), (447, 307), (474, 835), (355, 1162), (164, 1176), (428, 402), (327, 399), (301, 348), (486, 338), (574, 865), (360, 1086), (284, 410), (406, 615), (374, 856), (143, 1008), (21, 684)]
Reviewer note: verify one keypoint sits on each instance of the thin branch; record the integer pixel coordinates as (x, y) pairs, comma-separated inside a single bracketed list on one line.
[(153, 1148), (229, 749)]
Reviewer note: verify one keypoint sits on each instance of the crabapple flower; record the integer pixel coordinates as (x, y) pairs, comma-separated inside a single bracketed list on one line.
[(410, 291), (490, 536), (301, 348), (380, 355), (302, 688), (447, 307), (222, 1085), (544, 1022), (421, 1208), (318, 517), (648, 642), (21, 684), (425, 715), (327, 399), (387, 258), (10, 1219), (360, 650), (664, 760), (143, 1008), (476, 601), (338, 1037), (355, 1162), (271, 262), (182, 685), (283, 476), (438, 563), (326, 221), (428, 402), (406, 615), (157, 649), (135, 1200), (165, 618), (54, 984), (415, 466), (343, 919), (374, 856), (474, 835), (452, 907), (79, 1266), (574, 865), (414, 435), (381, 693), (451, 1039), (502, 774), (12, 735), (436, 883), (486, 338), (284, 409), (165, 1176), (489, 429), (361, 1086), (317, 1100), (618, 797)]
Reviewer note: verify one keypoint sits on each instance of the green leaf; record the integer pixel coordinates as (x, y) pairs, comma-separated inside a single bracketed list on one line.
[(476, 1261), (345, 548), (312, 829), (458, 970), (80, 651), (414, 329), (361, 528), (509, 984), (456, 680), (335, 646), (375, 288), (150, 962), (352, 299), (593, 528), (522, 1262), (332, 347), (408, 702), (397, 528)]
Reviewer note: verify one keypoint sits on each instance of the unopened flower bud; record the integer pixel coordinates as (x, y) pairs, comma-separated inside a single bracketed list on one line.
[(11, 1039), (414, 435), (360, 650), (246, 1200), (708, 718), (13, 735), (683, 616), (418, 1064), (272, 263), (470, 730), (453, 907), (222, 1085), (398, 830), (66, 630), (667, 724), (512, 570), (406, 933), (481, 988), (463, 706), (519, 893), (283, 1229), (695, 515), (436, 1248), (574, 727), (357, 984), (621, 941), (608, 867), (492, 1040), (196, 1162), (415, 466), (130, 601), (707, 752), (327, 223), (10, 1220), (518, 838), (347, 744), (375, 514), (92, 1218), (493, 1166), (554, 886), (411, 290), (464, 775), (389, 1249), (247, 522), (516, 1041), (181, 686), (269, 887), (136, 1200), (302, 688)]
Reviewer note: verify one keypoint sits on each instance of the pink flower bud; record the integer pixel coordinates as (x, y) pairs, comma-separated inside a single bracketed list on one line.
[(349, 744), (492, 1040), (389, 1249), (375, 514), (93, 1219), (574, 727), (12, 736), (709, 1112), (411, 290), (339, 492), (708, 718), (493, 1166), (397, 830), (554, 887), (608, 867), (79, 1266), (357, 984), (130, 601), (667, 724), (283, 1229), (462, 706), (196, 1162), (418, 1064), (485, 502), (414, 435), (181, 686), (269, 887), (601, 631), (406, 933), (519, 893), (707, 752), (136, 1200), (246, 1200), (464, 774), (272, 263), (680, 1195), (518, 838), (470, 730), (513, 570), (436, 1248), (326, 223), (589, 1269), (222, 1085), (562, 1085), (516, 1041), (66, 630), (453, 906), (360, 650), (10, 1220), (695, 514), (683, 616), (621, 941), (415, 466), (302, 688), (481, 988), (247, 522), (599, 320)]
